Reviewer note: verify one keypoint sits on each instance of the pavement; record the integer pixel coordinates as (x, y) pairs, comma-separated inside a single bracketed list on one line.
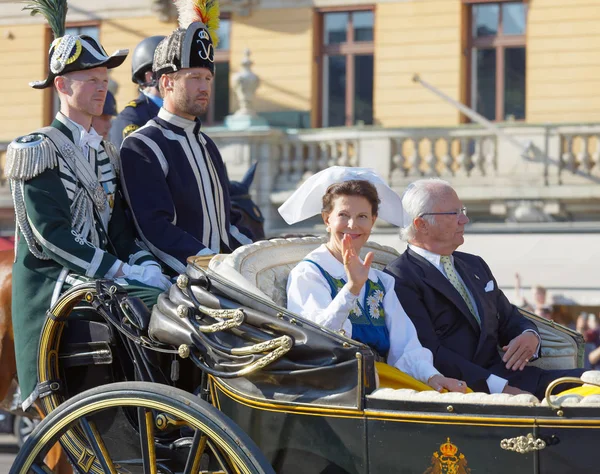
[(8, 451)]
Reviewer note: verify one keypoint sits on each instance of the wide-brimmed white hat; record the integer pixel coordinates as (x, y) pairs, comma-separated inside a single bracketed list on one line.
[(307, 200)]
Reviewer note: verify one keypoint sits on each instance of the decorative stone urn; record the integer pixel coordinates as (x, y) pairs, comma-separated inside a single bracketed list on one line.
[(244, 85)]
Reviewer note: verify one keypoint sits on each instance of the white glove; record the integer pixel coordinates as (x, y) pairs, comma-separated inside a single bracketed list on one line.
[(150, 275)]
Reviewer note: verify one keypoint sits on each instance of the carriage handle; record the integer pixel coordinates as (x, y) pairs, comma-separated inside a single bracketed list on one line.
[(278, 347), (560, 381)]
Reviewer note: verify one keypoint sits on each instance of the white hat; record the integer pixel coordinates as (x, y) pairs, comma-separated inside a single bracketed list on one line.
[(307, 200)]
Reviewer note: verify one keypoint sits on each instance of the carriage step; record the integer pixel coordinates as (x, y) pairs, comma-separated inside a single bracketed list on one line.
[(88, 353)]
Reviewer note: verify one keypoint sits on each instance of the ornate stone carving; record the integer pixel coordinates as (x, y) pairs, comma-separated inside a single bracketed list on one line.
[(165, 9), (245, 84)]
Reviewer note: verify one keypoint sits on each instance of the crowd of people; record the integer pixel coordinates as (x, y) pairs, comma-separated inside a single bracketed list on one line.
[(87, 209), (586, 324)]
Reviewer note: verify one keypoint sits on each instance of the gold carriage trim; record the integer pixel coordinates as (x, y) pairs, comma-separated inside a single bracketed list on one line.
[(448, 460)]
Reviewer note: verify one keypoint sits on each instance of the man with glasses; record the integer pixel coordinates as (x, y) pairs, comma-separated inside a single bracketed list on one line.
[(454, 301)]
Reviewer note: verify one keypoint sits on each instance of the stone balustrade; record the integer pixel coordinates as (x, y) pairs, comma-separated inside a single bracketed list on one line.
[(538, 173), (580, 152), (542, 173)]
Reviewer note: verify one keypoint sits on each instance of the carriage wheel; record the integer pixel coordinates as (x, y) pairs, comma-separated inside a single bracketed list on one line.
[(207, 441)]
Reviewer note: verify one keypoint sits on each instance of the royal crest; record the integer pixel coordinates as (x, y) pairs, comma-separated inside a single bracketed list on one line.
[(448, 461)]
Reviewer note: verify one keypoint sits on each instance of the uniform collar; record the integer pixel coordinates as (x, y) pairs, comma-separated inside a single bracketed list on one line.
[(333, 266), (79, 135), (176, 120)]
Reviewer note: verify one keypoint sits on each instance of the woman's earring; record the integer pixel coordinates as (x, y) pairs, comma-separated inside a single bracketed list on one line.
[(328, 229)]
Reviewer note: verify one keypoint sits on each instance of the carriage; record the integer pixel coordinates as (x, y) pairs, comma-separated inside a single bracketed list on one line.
[(220, 378)]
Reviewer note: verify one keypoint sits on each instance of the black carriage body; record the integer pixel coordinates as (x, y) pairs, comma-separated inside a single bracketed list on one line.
[(376, 436), (313, 408), (410, 437)]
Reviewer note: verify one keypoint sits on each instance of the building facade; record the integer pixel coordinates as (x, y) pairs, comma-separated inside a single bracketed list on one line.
[(328, 63)]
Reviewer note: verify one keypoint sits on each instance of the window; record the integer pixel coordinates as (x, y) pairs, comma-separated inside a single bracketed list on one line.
[(497, 60), (89, 30), (218, 108), (346, 68)]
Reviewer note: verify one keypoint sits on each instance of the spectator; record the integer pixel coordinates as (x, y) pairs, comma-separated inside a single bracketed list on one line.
[(538, 303), (587, 326)]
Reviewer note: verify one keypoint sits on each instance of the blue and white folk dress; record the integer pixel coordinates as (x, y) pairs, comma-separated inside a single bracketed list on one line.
[(317, 290)]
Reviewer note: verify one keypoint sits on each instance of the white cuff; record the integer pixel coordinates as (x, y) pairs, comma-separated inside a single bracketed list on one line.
[(536, 354), (110, 274), (496, 384)]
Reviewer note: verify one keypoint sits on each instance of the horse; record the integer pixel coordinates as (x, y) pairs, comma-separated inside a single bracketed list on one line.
[(239, 194)]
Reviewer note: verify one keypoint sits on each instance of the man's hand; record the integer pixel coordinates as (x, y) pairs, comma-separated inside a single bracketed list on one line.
[(520, 350), (514, 390), (439, 382)]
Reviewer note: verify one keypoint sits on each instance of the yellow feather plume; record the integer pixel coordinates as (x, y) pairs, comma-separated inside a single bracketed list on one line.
[(205, 11)]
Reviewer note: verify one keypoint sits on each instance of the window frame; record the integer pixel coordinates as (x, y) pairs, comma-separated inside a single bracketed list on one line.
[(350, 49), (499, 43)]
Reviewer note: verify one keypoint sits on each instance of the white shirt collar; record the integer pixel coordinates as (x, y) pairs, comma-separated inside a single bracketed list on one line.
[(332, 265), (431, 257), (81, 137), (176, 119)]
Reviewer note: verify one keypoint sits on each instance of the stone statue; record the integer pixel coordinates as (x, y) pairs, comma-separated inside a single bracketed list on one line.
[(245, 84)]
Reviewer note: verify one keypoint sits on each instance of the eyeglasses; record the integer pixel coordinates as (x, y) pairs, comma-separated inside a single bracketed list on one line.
[(457, 213)]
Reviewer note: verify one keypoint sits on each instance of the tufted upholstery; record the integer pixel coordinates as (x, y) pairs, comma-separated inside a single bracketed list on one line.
[(267, 264)]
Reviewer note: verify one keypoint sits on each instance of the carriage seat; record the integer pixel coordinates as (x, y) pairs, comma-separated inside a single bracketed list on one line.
[(263, 267), (267, 264)]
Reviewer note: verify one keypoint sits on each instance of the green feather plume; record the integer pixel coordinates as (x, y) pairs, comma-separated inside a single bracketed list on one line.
[(55, 12)]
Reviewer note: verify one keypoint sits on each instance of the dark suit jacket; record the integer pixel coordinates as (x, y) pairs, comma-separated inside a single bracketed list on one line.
[(461, 348)]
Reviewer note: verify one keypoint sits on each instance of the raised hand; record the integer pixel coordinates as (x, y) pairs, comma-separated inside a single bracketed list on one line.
[(356, 271)]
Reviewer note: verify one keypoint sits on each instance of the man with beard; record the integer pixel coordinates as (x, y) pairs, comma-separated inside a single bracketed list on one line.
[(173, 174)]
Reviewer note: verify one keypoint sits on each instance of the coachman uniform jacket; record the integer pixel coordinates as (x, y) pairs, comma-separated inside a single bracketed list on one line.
[(66, 230)]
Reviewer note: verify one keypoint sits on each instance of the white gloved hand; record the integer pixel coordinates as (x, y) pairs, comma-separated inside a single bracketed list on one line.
[(150, 275)]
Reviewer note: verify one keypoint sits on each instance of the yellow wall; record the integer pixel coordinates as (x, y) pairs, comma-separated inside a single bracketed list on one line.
[(563, 61), (22, 56), (418, 36), (280, 42), (127, 33)]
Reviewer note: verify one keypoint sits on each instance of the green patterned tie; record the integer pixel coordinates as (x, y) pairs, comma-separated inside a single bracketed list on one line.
[(456, 283)]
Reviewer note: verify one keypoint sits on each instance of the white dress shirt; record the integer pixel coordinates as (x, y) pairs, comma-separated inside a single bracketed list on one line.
[(495, 384), (86, 139), (309, 294)]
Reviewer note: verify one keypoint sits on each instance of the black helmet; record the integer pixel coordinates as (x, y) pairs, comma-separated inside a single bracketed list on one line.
[(141, 59)]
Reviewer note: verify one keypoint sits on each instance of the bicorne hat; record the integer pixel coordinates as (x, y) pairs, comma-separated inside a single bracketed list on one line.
[(70, 53), (193, 43)]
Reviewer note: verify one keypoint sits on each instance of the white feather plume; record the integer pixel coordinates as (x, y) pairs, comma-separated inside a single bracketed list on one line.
[(185, 11)]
